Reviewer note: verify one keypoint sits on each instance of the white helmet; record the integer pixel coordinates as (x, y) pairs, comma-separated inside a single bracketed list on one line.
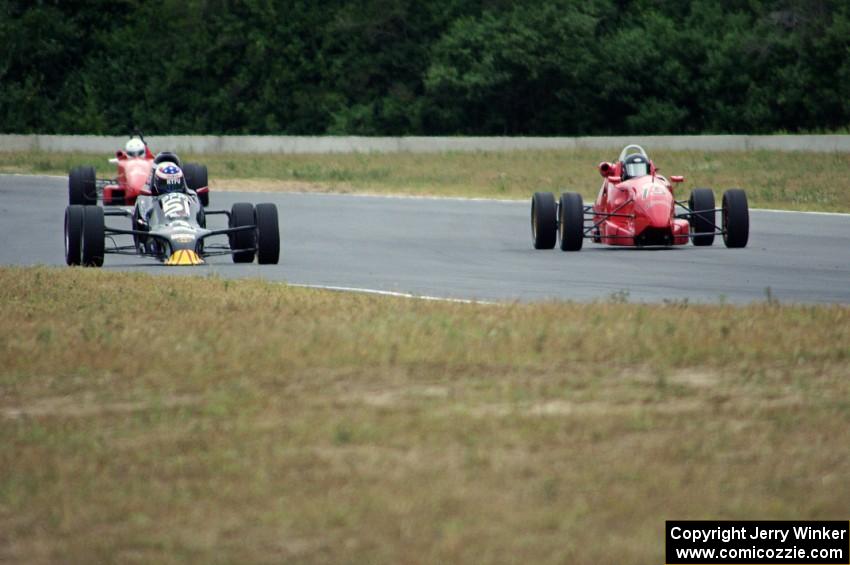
[(135, 148)]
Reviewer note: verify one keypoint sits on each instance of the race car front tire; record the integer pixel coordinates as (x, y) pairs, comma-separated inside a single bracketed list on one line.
[(571, 221), (73, 234), (544, 220), (139, 241), (268, 234), (703, 221), (243, 214), (93, 236), (736, 218), (82, 186)]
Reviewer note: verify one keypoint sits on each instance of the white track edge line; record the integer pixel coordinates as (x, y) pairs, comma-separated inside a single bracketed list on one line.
[(508, 201), (511, 201), (34, 176), (392, 293), (813, 212), (450, 198), (406, 196)]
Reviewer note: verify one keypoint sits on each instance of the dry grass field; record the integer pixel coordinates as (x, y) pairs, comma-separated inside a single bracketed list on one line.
[(798, 181), (169, 420)]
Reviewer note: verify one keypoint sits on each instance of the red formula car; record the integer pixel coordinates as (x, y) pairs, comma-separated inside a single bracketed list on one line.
[(636, 207), (135, 164)]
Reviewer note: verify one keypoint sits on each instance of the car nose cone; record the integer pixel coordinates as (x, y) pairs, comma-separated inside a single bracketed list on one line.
[(658, 214)]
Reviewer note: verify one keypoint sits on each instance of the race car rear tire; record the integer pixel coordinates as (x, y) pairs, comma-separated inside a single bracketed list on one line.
[(82, 186), (571, 221), (93, 236), (73, 234), (702, 202), (197, 177), (736, 218), (243, 214), (544, 228), (268, 234)]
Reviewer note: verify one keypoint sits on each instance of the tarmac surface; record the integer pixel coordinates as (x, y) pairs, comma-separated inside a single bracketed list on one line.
[(471, 249)]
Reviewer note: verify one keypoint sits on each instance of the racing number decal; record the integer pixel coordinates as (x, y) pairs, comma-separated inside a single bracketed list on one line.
[(652, 187), (175, 206)]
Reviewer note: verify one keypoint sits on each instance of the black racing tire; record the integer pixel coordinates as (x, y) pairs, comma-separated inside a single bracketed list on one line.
[(197, 177), (702, 202), (268, 234), (140, 241), (736, 218), (201, 218), (571, 221), (243, 214), (82, 186), (73, 234), (544, 220), (189, 175), (93, 236)]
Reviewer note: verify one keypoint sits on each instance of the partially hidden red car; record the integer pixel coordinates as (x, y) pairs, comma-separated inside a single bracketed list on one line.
[(135, 165), (637, 207)]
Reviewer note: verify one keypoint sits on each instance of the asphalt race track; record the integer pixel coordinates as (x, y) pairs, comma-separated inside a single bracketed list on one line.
[(471, 249)]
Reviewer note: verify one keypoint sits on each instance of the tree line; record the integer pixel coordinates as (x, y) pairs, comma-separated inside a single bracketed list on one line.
[(434, 67)]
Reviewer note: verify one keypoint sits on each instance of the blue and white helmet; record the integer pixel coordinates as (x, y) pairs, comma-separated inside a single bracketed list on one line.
[(168, 178)]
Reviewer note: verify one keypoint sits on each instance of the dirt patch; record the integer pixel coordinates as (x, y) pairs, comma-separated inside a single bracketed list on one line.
[(394, 397), (695, 378), (87, 406), (580, 408)]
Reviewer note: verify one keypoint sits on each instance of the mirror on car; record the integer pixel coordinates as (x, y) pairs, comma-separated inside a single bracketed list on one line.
[(615, 179), (677, 178)]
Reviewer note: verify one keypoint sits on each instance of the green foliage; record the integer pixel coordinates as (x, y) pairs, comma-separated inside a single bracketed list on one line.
[(402, 67), (500, 74)]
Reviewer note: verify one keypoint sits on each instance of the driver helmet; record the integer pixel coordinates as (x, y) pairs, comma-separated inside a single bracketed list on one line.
[(168, 178), (167, 157), (635, 165), (135, 148)]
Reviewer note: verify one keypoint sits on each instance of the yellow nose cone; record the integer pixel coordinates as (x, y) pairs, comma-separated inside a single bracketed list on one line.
[(184, 257)]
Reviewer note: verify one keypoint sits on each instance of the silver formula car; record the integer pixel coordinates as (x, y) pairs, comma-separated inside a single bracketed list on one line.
[(170, 225)]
